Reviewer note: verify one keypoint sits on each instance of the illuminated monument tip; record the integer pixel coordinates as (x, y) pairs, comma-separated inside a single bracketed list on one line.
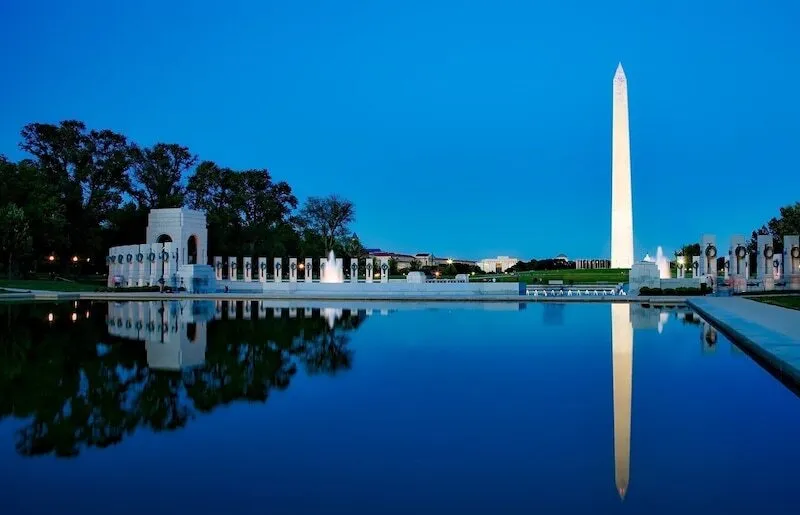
[(622, 494), (621, 203)]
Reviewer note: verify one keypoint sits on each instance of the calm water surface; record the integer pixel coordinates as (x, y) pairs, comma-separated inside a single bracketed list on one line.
[(204, 407)]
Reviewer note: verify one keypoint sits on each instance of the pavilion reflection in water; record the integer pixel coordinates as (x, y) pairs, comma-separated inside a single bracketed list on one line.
[(175, 332)]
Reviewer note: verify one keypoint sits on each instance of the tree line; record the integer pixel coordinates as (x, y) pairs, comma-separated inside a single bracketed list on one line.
[(84, 190)]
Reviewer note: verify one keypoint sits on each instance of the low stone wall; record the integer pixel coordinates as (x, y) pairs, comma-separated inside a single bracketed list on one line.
[(365, 289)]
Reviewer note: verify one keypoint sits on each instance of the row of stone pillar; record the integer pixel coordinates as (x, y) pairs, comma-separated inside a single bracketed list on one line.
[(299, 271)]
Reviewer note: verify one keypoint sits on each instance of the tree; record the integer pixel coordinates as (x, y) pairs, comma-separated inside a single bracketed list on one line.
[(157, 174), (788, 223), (415, 265), (245, 210), (352, 247), (14, 234), (689, 250), (329, 217), (88, 169)]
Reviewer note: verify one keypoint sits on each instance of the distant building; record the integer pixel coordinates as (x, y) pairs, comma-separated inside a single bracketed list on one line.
[(498, 265), (425, 259), (561, 257), (585, 264)]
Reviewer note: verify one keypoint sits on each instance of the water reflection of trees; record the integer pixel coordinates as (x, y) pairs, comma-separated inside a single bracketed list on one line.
[(77, 393)]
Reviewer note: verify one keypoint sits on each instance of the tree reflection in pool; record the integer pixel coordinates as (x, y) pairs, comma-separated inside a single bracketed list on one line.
[(158, 364)]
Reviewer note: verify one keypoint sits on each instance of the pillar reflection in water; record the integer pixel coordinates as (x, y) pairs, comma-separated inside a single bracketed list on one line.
[(622, 369)]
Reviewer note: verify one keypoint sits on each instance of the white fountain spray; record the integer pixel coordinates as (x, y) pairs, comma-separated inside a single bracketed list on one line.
[(331, 273), (661, 262)]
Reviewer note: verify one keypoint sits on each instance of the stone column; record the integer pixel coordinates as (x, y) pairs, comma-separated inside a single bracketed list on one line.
[(248, 269), (323, 263), (708, 258), (765, 255), (231, 310), (233, 268), (308, 270), (353, 270), (276, 312), (262, 309), (217, 309), (277, 264), (307, 313), (292, 312), (384, 270), (369, 269), (262, 269), (340, 267), (777, 267), (292, 270), (246, 309), (791, 263), (218, 267), (695, 266)]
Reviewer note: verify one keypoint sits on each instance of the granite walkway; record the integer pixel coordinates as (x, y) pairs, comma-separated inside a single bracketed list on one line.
[(772, 333)]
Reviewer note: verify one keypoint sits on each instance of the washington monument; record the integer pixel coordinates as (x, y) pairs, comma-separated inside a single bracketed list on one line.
[(621, 205)]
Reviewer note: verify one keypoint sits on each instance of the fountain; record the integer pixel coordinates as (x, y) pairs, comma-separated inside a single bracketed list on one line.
[(661, 262), (331, 273), (331, 315)]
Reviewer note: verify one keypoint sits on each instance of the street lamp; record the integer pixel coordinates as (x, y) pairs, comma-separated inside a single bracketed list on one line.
[(51, 258), (74, 259)]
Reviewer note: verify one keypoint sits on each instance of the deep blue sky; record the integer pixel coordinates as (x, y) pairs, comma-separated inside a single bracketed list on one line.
[(456, 128)]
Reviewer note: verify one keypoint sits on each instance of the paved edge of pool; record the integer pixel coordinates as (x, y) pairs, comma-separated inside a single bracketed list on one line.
[(776, 351), (59, 296)]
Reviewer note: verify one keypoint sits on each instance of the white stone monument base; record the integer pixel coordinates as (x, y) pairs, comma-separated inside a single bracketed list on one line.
[(198, 278)]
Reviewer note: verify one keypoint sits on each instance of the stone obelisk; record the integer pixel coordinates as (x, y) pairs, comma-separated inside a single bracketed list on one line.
[(621, 204), (622, 371)]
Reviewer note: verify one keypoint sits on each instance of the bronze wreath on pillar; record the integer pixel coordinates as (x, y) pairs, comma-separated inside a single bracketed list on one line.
[(711, 251), (119, 258), (796, 252), (384, 267), (263, 266), (741, 252), (776, 263), (768, 252), (129, 258), (247, 266), (151, 256), (139, 257)]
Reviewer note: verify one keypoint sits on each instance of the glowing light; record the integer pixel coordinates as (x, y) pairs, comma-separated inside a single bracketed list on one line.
[(88, 260), (74, 317), (87, 314), (51, 258), (301, 266), (50, 317), (74, 259), (449, 261)]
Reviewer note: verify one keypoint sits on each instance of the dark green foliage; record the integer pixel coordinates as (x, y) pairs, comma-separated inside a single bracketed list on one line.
[(86, 190), (74, 386)]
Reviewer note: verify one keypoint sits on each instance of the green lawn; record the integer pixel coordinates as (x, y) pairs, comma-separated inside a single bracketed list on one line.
[(785, 301), (612, 276), (50, 285)]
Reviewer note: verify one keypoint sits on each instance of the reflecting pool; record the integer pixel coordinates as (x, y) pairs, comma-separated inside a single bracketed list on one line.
[(254, 407)]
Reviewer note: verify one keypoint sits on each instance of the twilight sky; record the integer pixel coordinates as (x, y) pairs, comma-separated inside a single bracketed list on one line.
[(467, 129)]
